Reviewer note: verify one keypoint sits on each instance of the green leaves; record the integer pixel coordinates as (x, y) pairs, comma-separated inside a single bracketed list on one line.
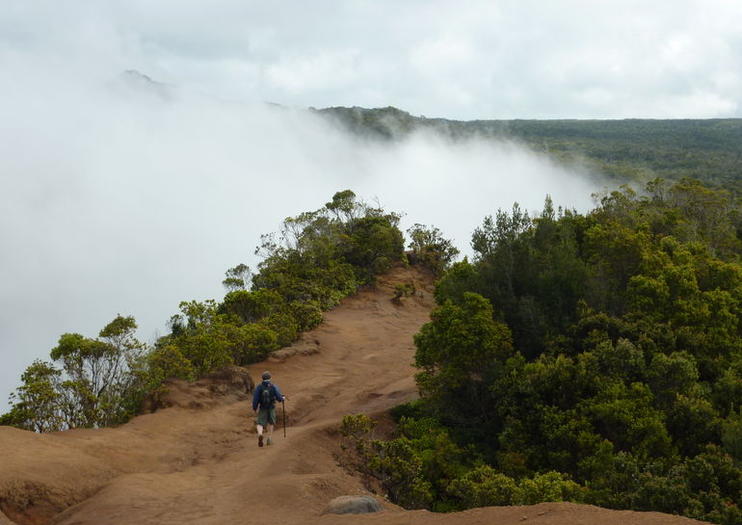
[(237, 278), (99, 383), (626, 360), (430, 248), (484, 487), (252, 306), (38, 402), (731, 435), (461, 343), (168, 362), (119, 329), (343, 205)]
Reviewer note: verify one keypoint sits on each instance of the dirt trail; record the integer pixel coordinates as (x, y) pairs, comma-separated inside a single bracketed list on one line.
[(198, 461)]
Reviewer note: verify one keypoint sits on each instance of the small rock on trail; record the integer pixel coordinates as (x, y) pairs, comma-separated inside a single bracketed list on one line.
[(353, 505)]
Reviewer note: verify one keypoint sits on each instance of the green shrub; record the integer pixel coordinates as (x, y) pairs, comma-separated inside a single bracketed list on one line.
[(308, 314), (731, 435), (484, 487), (357, 427), (550, 486), (168, 362), (430, 249), (400, 469), (284, 325), (252, 306), (403, 290)]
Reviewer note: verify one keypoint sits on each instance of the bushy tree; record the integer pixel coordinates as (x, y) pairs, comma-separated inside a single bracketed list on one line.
[(458, 353), (98, 372), (97, 384), (484, 487), (237, 278), (430, 249), (38, 404)]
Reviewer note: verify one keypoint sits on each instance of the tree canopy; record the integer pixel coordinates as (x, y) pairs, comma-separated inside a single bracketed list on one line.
[(593, 358)]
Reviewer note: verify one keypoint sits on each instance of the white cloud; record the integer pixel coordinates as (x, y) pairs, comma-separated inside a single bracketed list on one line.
[(445, 53), (478, 59), (323, 71)]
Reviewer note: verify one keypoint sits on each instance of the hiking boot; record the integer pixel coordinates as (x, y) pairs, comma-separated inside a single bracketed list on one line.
[(269, 441), (260, 441)]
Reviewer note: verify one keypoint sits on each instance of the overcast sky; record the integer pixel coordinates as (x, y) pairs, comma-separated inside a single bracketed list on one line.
[(115, 199), (471, 59)]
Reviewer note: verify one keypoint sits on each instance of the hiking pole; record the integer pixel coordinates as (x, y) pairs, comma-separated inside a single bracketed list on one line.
[(283, 403)]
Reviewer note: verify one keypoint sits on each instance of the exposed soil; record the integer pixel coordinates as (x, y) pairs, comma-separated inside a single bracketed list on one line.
[(197, 459)]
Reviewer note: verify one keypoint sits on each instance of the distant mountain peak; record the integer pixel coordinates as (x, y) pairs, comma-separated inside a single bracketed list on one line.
[(135, 80), (136, 76)]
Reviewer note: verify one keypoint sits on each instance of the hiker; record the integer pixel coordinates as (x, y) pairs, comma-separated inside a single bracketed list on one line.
[(265, 397)]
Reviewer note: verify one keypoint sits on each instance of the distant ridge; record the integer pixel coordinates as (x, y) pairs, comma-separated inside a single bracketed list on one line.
[(133, 80), (628, 150)]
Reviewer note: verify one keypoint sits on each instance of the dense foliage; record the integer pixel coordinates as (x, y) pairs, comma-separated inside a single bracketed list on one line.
[(600, 352), (631, 150), (318, 258), (423, 467)]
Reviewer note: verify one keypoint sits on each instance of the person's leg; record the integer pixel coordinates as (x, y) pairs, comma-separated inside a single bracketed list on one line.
[(261, 422), (270, 434), (271, 424)]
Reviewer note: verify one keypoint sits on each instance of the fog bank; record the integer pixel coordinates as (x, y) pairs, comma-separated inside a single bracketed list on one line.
[(127, 197)]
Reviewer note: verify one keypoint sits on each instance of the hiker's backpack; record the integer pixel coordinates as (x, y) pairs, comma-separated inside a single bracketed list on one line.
[(267, 396)]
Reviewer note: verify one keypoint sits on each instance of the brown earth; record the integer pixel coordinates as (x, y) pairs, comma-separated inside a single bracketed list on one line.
[(197, 460)]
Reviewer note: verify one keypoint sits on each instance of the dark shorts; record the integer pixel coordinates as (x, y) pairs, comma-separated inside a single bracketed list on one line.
[(267, 416)]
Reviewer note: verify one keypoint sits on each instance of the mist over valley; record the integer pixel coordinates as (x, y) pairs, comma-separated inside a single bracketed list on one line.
[(131, 196)]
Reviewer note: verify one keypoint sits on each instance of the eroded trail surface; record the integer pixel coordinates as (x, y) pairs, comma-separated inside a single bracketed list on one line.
[(198, 461)]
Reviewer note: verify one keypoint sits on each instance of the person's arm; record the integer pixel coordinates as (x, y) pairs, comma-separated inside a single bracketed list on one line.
[(256, 398), (279, 395)]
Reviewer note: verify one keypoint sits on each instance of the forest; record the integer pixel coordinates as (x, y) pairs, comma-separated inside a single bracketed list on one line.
[(623, 151), (593, 358)]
